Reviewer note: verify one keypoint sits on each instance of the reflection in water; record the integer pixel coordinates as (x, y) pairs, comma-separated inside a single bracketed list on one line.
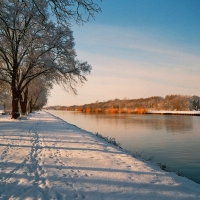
[(173, 123), (172, 139), (179, 124)]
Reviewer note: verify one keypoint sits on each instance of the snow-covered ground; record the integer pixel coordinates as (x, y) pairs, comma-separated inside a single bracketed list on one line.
[(44, 157), (174, 112)]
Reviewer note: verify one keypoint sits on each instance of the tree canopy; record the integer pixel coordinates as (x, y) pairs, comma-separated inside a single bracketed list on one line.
[(65, 10), (32, 45)]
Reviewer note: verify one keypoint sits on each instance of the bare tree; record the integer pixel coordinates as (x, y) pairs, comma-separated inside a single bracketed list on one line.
[(66, 10), (31, 46)]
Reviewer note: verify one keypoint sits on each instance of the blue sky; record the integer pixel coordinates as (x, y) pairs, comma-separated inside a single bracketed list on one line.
[(138, 49)]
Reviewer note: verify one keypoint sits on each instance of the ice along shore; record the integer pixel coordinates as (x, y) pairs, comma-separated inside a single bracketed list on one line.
[(45, 158)]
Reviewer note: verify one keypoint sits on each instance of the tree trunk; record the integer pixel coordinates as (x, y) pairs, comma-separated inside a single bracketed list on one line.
[(15, 93), (4, 107), (31, 106), (15, 106), (23, 102)]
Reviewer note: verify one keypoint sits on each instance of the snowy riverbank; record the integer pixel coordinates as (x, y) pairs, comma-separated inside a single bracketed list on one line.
[(167, 112), (44, 157)]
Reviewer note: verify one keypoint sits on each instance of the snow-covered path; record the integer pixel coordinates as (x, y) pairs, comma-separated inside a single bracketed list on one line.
[(46, 158)]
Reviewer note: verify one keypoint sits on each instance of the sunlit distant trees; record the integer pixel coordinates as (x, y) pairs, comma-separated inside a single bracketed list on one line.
[(170, 102)]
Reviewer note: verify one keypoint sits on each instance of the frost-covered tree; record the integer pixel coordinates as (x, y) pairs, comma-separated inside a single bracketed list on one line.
[(31, 45), (35, 94), (39, 99), (38, 93)]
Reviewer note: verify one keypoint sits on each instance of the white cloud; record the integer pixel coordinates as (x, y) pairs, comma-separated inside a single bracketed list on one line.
[(129, 63)]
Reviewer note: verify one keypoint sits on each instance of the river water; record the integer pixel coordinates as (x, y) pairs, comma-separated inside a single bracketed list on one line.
[(172, 140)]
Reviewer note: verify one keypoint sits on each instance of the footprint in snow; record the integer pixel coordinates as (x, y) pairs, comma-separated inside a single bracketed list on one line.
[(69, 184), (75, 196), (83, 196)]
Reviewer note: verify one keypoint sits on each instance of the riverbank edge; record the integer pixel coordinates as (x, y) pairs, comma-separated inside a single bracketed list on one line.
[(137, 155), (139, 111)]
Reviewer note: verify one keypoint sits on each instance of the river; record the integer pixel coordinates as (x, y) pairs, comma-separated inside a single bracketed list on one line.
[(172, 140)]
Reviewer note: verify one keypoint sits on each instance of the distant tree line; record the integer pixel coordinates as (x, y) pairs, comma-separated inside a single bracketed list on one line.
[(170, 102)]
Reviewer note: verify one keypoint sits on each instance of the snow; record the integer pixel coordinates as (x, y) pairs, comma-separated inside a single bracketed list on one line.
[(174, 112), (44, 157)]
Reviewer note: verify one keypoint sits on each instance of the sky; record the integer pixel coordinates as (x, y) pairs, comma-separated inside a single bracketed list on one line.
[(137, 49)]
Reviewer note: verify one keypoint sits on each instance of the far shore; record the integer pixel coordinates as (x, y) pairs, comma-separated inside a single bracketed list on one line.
[(137, 111)]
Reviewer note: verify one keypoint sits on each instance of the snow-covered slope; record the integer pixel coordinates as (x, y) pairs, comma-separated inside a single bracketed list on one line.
[(44, 157), (174, 112)]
